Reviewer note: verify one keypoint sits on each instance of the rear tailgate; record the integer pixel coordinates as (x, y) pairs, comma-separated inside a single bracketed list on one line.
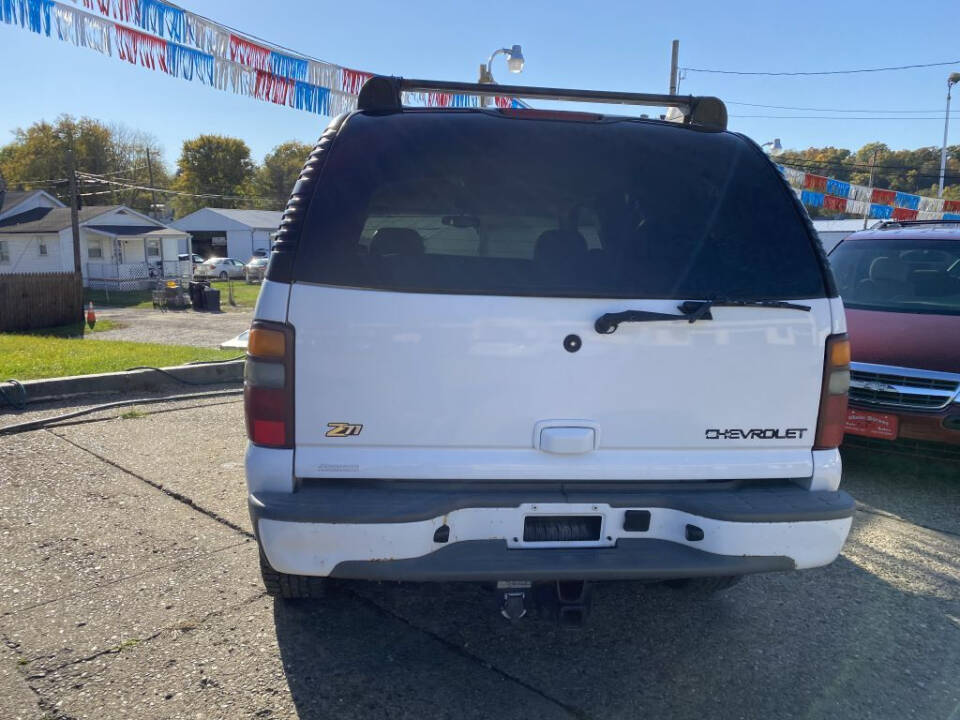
[(458, 386)]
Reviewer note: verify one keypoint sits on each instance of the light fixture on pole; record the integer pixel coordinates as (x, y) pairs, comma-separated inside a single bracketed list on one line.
[(775, 147), (951, 81), (514, 63)]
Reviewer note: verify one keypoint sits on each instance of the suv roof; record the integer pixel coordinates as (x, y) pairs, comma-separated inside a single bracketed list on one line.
[(921, 230)]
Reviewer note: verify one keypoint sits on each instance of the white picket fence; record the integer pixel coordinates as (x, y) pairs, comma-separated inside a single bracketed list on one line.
[(135, 276)]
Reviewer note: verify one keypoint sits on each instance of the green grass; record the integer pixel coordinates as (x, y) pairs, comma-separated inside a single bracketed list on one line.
[(114, 298), (30, 356), (75, 331), (244, 295)]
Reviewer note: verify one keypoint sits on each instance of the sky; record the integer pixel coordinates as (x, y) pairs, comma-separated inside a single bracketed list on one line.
[(612, 45)]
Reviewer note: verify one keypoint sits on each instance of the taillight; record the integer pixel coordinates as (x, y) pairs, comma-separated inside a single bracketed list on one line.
[(268, 384), (833, 395)]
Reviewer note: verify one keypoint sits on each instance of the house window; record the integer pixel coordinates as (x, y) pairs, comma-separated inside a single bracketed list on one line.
[(94, 248), (153, 247), (42, 245), (4, 252)]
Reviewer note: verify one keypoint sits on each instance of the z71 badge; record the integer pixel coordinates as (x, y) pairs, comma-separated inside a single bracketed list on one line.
[(343, 429)]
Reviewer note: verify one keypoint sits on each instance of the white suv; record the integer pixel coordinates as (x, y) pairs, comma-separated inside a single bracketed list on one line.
[(525, 346)]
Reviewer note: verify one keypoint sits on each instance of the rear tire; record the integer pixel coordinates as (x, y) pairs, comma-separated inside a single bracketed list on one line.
[(703, 587), (289, 587)]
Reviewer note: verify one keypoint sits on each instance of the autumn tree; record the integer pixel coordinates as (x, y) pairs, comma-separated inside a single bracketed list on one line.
[(279, 171), (213, 165), (38, 158)]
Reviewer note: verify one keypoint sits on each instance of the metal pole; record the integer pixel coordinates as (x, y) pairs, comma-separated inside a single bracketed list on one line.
[(74, 211), (153, 192), (943, 151), (674, 55)]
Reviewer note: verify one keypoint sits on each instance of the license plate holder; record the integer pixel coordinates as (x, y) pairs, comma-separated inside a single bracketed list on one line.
[(872, 424)]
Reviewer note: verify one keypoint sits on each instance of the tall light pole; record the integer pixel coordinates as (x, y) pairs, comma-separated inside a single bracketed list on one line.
[(514, 63), (775, 147), (951, 81)]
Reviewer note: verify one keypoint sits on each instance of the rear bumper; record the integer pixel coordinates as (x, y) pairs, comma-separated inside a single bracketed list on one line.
[(389, 531)]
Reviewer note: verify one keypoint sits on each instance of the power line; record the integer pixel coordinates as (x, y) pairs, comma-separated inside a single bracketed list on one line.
[(822, 72), (88, 176), (867, 166), (833, 117), (806, 166), (813, 109)]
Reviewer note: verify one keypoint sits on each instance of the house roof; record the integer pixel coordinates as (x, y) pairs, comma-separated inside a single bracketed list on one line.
[(255, 219), (135, 230), (12, 198), (49, 220)]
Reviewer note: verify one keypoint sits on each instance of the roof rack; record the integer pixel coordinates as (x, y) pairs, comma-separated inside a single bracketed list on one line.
[(384, 93), (888, 224)]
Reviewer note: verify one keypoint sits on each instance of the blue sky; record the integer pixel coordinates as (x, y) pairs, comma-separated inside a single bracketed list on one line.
[(616, 45)]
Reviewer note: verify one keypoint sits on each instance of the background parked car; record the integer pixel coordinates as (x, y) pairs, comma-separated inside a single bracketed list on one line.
[(901, 288), (197, 260), (256, 269), (222, 268)]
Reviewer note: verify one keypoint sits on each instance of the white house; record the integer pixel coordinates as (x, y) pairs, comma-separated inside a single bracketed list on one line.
[(119, 246), (221, 232)]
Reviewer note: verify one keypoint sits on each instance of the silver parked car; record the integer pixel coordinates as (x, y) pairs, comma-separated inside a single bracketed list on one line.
[(221, 268), (255, 270)]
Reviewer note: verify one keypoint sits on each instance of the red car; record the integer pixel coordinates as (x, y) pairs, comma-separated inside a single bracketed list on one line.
[(900, 283)]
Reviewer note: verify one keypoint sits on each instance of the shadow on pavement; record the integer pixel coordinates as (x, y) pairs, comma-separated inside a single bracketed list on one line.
[(834, 642), (922, 490)]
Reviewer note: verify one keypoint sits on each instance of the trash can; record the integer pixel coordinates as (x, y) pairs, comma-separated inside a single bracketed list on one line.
[(197, 298), (211, 299)]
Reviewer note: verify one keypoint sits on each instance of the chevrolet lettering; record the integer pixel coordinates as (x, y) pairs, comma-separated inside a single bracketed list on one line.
[(755, 434)]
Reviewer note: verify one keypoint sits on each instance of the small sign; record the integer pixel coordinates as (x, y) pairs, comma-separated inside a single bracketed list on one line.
[(871, 424)]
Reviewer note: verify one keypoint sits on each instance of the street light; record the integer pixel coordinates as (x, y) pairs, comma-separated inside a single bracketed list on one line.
[(514, 63), (951, 81), (775, 147)]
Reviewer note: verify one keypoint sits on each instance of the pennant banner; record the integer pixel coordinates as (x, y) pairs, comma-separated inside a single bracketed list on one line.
[(164, 37), (841, 196)]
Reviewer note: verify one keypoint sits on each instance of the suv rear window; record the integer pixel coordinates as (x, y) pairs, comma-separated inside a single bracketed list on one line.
[(474, 203)]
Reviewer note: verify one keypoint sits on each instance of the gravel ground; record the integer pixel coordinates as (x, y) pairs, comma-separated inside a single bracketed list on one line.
[(129, 589), (174, 327)]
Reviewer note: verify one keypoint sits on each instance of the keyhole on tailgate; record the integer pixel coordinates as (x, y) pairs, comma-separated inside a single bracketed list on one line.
[(572, 343)]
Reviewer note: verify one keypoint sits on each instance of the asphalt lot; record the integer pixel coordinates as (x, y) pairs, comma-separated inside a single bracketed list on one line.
[(129, 589), (174, 327)]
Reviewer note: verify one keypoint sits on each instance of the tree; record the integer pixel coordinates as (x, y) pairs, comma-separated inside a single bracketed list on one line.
[(38, 159), (280, 169), (213, 164)]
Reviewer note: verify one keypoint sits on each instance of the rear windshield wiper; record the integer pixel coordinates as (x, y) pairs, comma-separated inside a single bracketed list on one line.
[(695, 310), (692, 310)]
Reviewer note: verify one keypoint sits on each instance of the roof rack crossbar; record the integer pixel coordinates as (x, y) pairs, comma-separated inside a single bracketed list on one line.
[(384, 93), (884, 224)]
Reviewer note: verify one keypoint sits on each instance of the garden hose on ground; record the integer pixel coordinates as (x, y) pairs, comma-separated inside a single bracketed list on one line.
[(47, 421), (20, 402)]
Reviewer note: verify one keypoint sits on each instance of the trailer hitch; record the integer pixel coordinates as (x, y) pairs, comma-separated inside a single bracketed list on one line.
[(565, 602)]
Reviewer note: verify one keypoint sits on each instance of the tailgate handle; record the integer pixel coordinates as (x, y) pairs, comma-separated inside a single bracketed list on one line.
[(568, 440)]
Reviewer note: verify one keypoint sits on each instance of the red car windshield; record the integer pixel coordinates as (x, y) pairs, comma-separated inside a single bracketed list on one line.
[(899, 275)]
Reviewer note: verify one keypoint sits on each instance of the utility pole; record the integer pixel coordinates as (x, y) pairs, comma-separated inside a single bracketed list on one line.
[(866, 213), (74, 206), (153, 192), (674, 56), (951, 81)]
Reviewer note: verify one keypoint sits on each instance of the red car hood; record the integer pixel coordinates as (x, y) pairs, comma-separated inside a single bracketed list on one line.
[(925, 342)]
